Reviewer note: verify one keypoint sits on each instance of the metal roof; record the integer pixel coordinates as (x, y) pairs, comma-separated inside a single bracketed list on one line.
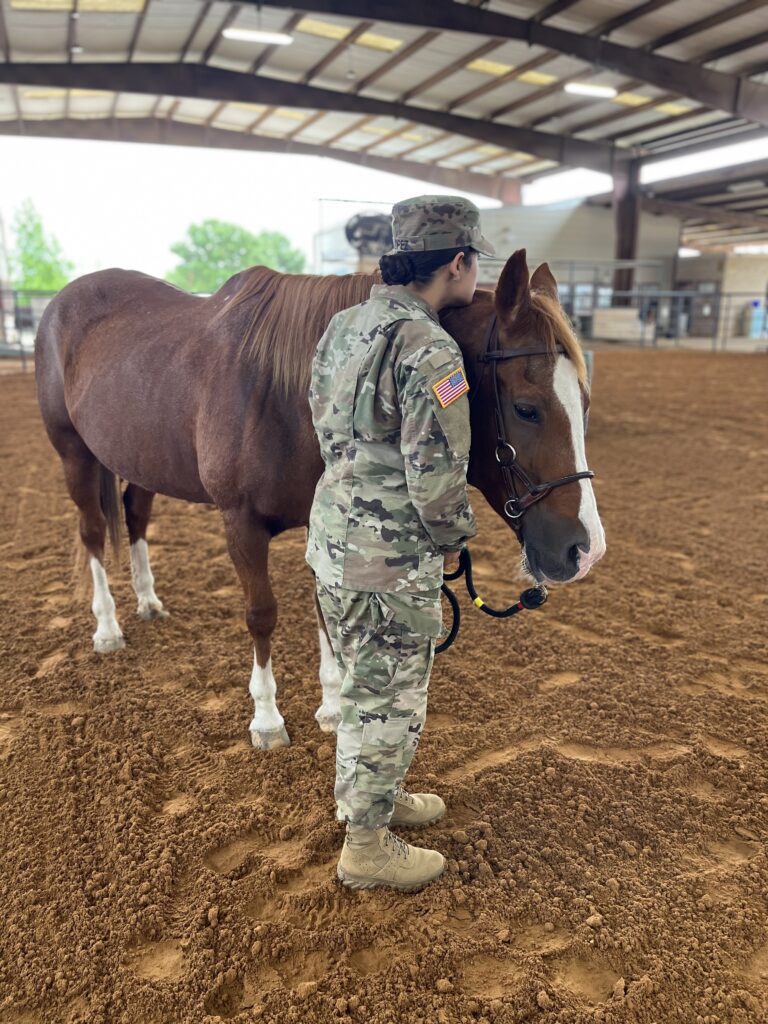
[(467, 94)]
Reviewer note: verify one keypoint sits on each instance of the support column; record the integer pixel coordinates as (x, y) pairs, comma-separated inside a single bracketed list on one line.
[(626, 210)]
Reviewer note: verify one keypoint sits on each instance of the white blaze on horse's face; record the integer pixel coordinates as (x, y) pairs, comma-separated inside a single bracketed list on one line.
[(568, 392)]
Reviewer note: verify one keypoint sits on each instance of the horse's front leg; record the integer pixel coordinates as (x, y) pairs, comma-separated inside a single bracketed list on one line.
[(248, 543), (328, 715)]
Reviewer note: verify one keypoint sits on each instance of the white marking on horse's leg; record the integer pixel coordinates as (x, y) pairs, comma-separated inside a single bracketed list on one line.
[(150, 606), (328, 715), (267, 725), (108, 636), (566, 384)]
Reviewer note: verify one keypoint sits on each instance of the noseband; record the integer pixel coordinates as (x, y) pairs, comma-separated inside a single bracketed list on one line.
[(516, 505)]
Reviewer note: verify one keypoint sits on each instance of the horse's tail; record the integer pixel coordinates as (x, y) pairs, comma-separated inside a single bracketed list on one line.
[(111, 506)]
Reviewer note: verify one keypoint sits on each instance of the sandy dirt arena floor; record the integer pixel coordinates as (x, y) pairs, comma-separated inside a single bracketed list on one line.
[(604, 761)]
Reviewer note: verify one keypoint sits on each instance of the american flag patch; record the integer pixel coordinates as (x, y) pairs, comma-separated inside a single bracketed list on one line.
[(451, 387)]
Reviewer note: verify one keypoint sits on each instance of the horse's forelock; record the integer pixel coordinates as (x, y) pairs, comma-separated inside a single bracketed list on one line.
[(545, 320)]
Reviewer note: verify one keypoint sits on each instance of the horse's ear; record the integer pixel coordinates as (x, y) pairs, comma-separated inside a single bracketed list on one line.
[(512, 288), (543, 280)]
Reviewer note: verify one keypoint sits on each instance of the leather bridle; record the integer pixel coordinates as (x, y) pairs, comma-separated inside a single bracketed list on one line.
[(515, 506)]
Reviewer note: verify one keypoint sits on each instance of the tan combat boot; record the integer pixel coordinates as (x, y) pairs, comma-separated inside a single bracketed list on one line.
[(381, 858), (416, 810)]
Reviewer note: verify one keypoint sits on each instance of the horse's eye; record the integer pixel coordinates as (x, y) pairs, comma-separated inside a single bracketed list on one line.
[(527, 413)]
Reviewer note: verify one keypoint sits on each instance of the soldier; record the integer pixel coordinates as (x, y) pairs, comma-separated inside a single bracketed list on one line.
[(390, 515)]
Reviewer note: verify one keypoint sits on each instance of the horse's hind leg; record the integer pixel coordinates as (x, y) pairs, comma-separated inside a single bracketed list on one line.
[(92, 488), (138, 508), (248, 542), (328, 715)]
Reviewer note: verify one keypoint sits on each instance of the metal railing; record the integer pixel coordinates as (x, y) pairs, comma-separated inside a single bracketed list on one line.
[(651, 317), (720, 321), (20, 312)]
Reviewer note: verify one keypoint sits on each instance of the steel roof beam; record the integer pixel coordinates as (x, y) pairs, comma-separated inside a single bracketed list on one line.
[(201, 16), (603, 29), (226, 21), (273, 48), (708, 214), (693, 28), (5, 46), (336, 51), (714, 88), (407, 51), (695, 186), (617, 115), (553, 9), (201, 82), (155, 131)]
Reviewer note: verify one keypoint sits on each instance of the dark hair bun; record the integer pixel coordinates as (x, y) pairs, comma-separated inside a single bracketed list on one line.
[(397, 268)]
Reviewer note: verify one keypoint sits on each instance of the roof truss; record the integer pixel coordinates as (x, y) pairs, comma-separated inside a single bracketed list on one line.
[(713, 88), (169, 132), (200, 81)]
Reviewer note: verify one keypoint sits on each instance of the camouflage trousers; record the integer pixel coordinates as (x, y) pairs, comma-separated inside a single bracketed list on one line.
[(384, 646)]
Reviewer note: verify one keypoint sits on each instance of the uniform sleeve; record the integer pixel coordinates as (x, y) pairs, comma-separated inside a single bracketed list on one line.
[(435, 443)]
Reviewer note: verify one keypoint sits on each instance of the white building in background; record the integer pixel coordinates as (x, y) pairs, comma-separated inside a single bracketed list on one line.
[(583, 236), (578, 234)]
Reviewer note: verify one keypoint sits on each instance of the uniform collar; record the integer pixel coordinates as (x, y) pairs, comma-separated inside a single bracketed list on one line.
[(401, 293)]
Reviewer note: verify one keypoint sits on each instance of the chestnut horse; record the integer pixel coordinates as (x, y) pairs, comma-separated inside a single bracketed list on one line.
[(206, 399)]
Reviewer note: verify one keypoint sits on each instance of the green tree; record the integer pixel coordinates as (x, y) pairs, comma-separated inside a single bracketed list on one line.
[(37, 262), (215, 250)]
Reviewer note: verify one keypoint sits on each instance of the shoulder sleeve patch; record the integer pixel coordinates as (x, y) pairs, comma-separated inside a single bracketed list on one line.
[(451, 387)]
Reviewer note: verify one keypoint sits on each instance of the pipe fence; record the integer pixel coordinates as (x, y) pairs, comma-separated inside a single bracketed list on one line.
[(644, 317)]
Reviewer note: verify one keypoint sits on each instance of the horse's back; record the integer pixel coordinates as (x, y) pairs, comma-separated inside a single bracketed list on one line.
[(120, 357), (69, 334)]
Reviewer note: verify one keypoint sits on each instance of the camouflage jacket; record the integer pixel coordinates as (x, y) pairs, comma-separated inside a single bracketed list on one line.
[(389, 405)]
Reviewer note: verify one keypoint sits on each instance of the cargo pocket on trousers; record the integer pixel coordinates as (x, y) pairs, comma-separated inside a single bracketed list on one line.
[(381, 752), (419, 613), (361, 621)]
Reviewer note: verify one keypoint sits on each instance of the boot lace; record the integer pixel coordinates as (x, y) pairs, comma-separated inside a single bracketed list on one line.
[(398, 845), (402, 794)]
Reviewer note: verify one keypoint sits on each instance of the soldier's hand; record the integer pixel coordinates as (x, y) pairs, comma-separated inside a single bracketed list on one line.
[(450, 562)]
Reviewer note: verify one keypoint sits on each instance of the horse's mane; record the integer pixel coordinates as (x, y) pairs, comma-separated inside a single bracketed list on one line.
[(545, 320), (287, 315)]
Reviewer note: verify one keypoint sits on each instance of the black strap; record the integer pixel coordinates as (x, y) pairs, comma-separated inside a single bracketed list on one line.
[(513, 353)]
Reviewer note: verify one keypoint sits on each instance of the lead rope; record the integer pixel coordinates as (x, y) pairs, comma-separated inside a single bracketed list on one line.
[(530, 599)]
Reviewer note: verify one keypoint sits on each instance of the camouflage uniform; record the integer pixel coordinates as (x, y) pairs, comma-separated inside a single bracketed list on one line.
[(389, 404)]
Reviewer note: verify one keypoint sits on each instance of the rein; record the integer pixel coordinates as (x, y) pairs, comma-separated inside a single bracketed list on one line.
[(515, 506)]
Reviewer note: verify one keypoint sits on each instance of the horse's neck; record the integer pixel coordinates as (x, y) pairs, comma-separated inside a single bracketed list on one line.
[(468, 326)]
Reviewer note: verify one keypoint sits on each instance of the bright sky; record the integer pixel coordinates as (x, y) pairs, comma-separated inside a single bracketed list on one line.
[(124, 204)]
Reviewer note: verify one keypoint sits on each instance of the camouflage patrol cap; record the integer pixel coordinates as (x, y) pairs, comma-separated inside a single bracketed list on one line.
[(425, 223)]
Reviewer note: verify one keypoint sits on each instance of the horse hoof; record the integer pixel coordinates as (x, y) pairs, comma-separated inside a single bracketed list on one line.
[(149, 613), (328, 723), (106, 645), (271, 739)]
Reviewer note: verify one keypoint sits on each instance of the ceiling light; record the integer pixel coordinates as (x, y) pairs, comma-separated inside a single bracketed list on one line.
[(603, 92), (76, 49), (258, 35), (685, 253)]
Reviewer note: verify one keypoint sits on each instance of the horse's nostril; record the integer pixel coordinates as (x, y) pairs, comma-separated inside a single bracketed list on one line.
[(574, 552)]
